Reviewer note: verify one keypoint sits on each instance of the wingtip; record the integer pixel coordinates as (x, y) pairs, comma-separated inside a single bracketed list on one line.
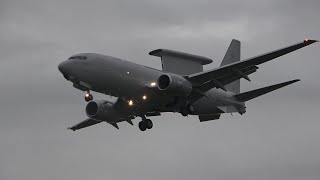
[(70, 128), (310, 41), (294, 81)]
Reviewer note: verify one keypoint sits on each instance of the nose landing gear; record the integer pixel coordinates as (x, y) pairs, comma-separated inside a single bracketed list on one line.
[(88, 97)]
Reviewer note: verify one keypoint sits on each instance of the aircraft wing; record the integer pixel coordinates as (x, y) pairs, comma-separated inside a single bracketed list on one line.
[(226, 74), (86, 123)]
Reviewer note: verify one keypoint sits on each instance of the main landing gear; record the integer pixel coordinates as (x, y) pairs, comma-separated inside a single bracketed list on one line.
[(145, 124), (88, 97)]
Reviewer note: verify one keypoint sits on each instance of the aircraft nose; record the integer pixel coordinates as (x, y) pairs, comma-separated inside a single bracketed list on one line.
[(62, 67)]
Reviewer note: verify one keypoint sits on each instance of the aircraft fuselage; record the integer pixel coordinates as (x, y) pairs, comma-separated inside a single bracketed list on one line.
[(127, 80)]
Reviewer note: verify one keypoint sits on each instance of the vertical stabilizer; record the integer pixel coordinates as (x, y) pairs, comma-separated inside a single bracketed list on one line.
[(232, 55)]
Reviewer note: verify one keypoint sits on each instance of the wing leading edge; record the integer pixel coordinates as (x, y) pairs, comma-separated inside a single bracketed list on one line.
[(86, 123), (90, 122)]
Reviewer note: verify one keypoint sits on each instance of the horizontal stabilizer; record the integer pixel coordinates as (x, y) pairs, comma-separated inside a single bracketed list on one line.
[(246, 96), (86, 123)]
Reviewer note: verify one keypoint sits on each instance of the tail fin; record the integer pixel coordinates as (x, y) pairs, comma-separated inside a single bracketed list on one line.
[(246, 96), (232, 55)]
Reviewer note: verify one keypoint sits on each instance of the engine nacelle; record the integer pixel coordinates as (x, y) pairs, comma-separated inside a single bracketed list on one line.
[(102, 110), (174, 85)]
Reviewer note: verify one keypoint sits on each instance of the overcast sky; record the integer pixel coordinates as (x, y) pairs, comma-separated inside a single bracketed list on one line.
[(278, 137)]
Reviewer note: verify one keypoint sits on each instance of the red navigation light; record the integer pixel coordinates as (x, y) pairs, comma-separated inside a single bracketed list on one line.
[(306, 40)]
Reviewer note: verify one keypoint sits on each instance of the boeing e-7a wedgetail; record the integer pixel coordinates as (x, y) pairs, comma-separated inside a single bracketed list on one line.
[(181, 86)]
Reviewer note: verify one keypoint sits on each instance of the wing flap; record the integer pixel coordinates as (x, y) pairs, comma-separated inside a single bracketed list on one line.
[(227, 78)]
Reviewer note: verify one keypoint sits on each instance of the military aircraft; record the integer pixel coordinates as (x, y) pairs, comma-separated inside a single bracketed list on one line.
[(182, 86)]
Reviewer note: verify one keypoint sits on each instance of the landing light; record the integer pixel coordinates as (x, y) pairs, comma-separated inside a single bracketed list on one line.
[(87, 94), (144, 97), (130, 102), (153, 84)]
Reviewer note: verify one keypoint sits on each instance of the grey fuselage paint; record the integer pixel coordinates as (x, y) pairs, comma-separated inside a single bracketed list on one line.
[(124, 79)]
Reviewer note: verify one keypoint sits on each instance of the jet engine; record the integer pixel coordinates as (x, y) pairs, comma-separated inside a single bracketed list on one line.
[(101, 110), (174, 84)]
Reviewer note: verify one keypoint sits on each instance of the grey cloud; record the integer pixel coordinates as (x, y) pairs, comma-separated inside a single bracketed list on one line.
[(276, 139)]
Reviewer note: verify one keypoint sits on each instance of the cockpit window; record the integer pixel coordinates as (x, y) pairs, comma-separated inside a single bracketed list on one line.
[(78, 57)]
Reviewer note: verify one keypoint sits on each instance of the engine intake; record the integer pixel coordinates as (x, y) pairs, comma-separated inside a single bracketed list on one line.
[(102, 111), (92, 109), (174, 84), (164, 82)]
